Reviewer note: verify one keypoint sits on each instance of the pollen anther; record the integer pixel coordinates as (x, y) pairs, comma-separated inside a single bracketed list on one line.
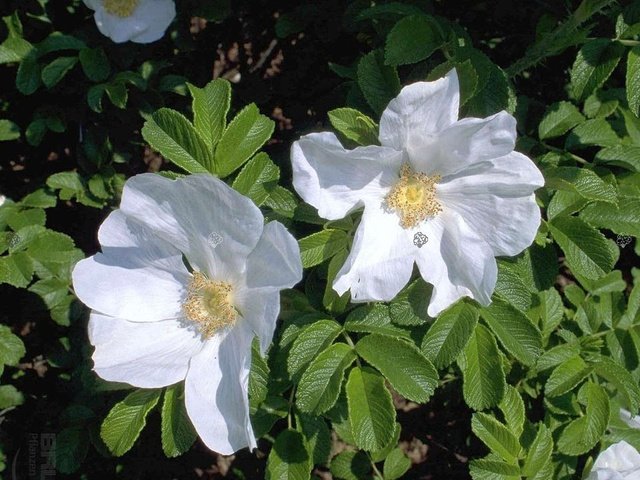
[(120, 8), (209, 304), (413, 197)]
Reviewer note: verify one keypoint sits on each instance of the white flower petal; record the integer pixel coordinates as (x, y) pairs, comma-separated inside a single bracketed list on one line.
[(188, 211), (138, 277), (118, 29), (93, 4), (381, 258), (158, 15), (216, 390), (260, 309), (463, 144), (619, 458), (145, 355), (275, 262), (337, 181), (496, 199), (423, 108), (456, 261)]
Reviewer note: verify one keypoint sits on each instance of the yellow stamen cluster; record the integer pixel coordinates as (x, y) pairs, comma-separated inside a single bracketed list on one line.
[(120, 8), (413, 197), (209, 304)]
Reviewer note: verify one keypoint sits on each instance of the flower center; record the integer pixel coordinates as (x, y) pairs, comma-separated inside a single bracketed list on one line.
[(413, 198), (120, 8), (209, 304)]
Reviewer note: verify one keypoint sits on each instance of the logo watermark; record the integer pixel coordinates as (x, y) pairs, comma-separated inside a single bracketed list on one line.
[(40, 458), (11, 239), (419, 239), (214, 239), (623, 240)]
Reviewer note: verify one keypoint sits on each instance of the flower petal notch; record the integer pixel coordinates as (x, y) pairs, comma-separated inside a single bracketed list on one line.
[(139, 21), (170, 306), (445, 194)]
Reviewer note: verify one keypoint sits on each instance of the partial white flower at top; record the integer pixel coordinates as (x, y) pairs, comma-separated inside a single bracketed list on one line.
[(141, 21), (618, 462), (168, 306), (447, 194)]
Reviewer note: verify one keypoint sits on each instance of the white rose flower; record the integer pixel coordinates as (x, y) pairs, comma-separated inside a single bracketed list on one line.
[(141, 21), (168, 306), (618, 462), (447, 194)]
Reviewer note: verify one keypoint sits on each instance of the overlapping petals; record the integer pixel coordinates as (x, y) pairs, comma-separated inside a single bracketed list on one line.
[(618, 462), (139, 283), (484, 188)]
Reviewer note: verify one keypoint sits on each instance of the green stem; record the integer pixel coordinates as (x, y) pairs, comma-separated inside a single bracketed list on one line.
[(564, 152), (628, 43), (552, 43), (378, 473), (289, 419), (352, 345)]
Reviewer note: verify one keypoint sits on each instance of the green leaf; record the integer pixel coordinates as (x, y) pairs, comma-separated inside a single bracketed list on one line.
[(57, 69), (354, 125), (173, 136), (395, 465), (11, 347), (318, 247), (40, 198), (66, 181), (409, 372), (321, 382), (371, 411), (592, 132), (633, 80), (58, 41), (269, 412), (282, 202), (28, 76), (210, 107), (623, 219), (515, 331), (497, 95), (495, 436), (52, 291), (467, 77), (71, 446), (94, 97), (619, 376), (258, 178), (13, 50), (118, 94), (581, 181), (628, 21), (625, 156), (585, 248), (246, 133), (373, 319), (551, 311), (312, 341), (16, 269), (379, 83), (566, 376), (583, 433), (558, 120), (10, 396), (350, 465), (331, 300), (317, 435), (449, 333), (258, 376), (95, 64), (411, 40), (483, 377), (126, 420), (491, 468), (410, 306), (512, 408), (177, 432), (595, 61), (8, 130), (289, 459), (539, 452)]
